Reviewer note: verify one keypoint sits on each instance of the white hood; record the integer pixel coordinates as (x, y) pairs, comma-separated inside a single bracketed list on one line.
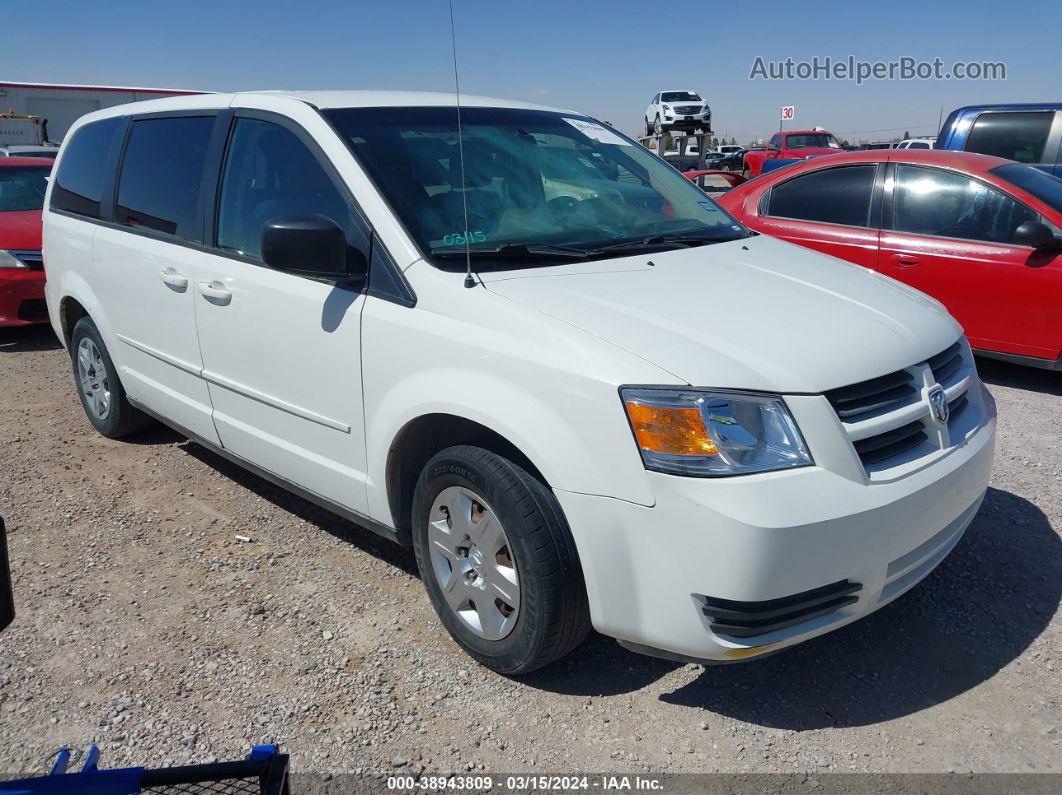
[(756, 314)]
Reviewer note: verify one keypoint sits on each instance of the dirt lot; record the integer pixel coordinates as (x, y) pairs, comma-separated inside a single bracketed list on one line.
[(145, 625)]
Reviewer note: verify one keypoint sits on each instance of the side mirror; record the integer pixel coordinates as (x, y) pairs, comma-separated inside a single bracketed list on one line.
[(7, 598), (1036, 234), (772, 148), (309, 245)]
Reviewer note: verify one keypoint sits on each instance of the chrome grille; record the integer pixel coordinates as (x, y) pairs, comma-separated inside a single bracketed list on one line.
[(888, 418), (687, 109)]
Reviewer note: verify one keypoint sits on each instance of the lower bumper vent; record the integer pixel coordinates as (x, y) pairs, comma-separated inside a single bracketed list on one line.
[(748, 619), (33, 309)]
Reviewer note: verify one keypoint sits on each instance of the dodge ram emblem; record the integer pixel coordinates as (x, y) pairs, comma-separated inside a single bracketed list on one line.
[(938, 404)]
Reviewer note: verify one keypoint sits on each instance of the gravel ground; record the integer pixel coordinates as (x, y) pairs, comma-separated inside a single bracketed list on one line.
[(146, 626)]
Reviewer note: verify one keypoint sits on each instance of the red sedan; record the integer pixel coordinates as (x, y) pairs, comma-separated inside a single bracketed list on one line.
[(981, 234), (22, 184)]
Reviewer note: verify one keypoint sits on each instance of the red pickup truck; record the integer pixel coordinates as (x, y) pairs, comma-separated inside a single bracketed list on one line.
[(791, 145)]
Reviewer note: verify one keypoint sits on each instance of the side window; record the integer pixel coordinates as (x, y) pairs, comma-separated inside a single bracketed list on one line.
[(1016, 136), (929, 201), (79, 180), (838, 195), (776, 141), (269, 174), (158, 186)]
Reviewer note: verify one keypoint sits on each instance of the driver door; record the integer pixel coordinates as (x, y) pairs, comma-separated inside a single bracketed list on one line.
[(281, 351), (949, 235)]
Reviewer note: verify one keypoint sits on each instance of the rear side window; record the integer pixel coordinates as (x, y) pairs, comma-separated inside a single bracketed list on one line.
[(79, 180), (161, 172), (831, 196), (1016, 136)]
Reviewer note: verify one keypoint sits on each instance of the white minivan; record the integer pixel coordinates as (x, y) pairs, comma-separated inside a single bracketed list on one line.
[(530, 349)]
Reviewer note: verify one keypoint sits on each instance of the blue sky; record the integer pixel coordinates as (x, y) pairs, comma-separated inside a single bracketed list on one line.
[(603, 57)]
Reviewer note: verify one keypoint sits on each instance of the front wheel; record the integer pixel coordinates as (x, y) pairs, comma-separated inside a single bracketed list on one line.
[(498, 561), (658, 126)]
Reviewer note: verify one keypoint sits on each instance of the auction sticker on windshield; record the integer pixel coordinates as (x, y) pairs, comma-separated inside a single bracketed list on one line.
[(597, 132)]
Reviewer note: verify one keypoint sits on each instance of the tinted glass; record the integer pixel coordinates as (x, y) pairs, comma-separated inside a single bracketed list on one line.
[(23, 187), (1015, 136), (529, 177), (833, 195), (919, 145), (680, 96), (161, 172), (270, 174), (79, 180), (929, 201), (812, 141), (1043, 186)]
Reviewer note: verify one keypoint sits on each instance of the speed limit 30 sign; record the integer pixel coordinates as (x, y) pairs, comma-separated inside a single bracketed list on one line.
[(788, 112)]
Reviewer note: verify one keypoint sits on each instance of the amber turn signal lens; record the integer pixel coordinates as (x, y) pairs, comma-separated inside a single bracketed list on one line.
[(671, 430)]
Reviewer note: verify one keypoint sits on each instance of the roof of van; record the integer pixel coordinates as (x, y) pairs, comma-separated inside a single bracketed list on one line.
[(318, 99)]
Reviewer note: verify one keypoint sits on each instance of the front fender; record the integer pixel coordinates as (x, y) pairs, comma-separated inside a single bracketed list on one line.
[(549, 389)]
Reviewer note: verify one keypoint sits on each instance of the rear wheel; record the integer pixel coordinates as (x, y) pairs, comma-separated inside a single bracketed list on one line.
[(498, 561), (98, 386)]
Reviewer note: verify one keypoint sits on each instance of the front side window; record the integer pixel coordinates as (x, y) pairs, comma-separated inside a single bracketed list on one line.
[(1016, 136), (930, 201), (1043, 186), (22, 188), (158, 187), (530, 179), (79, 179), (812, 141), (839, 195), (270, 174)]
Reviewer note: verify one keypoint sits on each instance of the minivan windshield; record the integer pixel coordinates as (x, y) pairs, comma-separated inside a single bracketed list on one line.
[(22, 187), (538, 185)]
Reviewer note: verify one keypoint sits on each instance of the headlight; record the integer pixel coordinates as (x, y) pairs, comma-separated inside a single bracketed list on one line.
[(713, 434), (667, 108), (9, 260)]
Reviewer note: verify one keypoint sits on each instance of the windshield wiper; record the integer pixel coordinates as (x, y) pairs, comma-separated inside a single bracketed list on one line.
[(512, 250), (656, 241)]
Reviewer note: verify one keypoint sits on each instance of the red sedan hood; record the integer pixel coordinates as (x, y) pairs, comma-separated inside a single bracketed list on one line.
[(21, 230)]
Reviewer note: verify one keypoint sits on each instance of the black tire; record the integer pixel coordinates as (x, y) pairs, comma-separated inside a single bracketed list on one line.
[(121, 418), (553, 617), (648, 127)]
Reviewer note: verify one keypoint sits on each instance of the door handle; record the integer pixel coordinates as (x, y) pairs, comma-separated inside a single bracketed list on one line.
[(215, 293), (174, 279), (905, 260)]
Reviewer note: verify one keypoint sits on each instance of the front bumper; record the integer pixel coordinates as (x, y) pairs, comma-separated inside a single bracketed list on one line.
[(681, 120), (650, 570), (22, 297)]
